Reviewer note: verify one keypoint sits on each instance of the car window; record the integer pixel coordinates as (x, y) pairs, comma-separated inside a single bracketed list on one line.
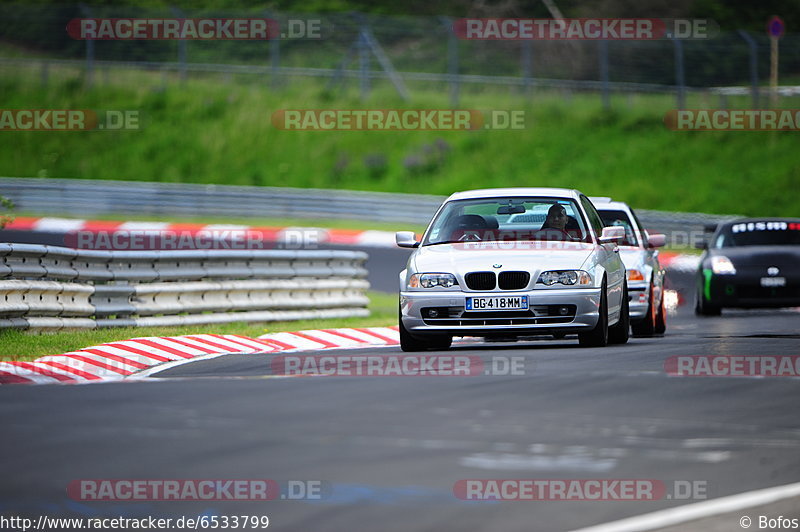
[(620, 218), (638, 225), (504, 219), (594, 218), (759, 233)]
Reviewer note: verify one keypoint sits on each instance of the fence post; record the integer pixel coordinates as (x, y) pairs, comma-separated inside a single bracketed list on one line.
[(751, 43), (45, 72), (363, 56), (181, 46), (452, 62), (87, 13), (363, 66), (385, 63), (274, 51), (603, 44), (527, 65), (680, 74)]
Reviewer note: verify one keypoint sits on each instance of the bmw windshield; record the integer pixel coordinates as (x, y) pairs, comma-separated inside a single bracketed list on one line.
[(508, 219)]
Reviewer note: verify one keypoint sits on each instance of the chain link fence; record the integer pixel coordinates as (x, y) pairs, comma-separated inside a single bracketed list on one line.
[(409, 52)]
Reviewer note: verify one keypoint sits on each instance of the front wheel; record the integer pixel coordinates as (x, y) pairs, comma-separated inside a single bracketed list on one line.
[(411, 344), (661, 316), (704, 308), (647, 326), (597, 337)]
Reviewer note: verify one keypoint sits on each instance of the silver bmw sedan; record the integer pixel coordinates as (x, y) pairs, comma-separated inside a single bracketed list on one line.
[(513, 262)]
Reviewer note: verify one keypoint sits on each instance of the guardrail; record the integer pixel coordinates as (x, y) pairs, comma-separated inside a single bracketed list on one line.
[(80, 197), (46, 287)]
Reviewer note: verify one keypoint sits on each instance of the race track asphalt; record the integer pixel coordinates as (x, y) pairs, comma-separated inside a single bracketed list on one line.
[(388, 450)]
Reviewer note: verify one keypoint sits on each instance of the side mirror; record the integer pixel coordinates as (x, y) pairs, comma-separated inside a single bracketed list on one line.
[(612, 234), (701, 245), (656, 240), (406, 239)]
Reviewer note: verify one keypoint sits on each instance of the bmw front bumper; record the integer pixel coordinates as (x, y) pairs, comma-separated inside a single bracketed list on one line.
[(567, 310)]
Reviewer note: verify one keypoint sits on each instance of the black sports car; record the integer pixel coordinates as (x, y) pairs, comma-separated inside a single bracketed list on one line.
[(750, 263)]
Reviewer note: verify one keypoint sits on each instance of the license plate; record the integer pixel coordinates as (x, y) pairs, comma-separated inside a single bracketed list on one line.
[(773, 281), (498, 303)]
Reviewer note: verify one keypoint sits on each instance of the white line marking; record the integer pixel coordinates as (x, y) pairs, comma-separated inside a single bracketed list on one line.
[(690, 512), (222, 341), (175, 363), (57, 225), (294, 340), (223, 227), (339, 341), (144, 226), (26, 373), (100, 358), (169, 342)]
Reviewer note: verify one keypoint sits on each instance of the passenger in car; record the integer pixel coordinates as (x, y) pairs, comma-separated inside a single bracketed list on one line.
[(557, 225), (556, 218)]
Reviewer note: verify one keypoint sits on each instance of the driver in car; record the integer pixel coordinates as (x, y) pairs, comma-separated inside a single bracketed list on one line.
[(555, 225)]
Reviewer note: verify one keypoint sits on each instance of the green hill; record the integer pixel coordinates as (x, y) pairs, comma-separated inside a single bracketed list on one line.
[(215, 131)]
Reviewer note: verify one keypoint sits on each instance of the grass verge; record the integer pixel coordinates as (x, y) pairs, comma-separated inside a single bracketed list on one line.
[(210, 131), (26, 346)]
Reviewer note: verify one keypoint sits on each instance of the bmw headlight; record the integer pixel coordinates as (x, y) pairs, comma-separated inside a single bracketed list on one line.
[(432, 280), (722, 265), (565, 277)]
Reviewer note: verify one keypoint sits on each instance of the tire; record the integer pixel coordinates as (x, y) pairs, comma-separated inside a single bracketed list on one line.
[(661, 316), (619, 332), (597, 337), (647, 326), (703, 307), (441, 343), (411, 344)]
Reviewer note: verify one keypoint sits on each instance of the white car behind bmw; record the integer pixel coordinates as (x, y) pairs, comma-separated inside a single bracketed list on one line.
[(646, 277)]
